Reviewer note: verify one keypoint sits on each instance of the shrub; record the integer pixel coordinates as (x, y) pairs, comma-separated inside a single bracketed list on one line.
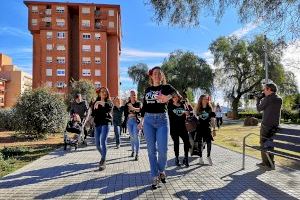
[(250, 114), (8, 152), (39, 112), (290, 115), (7, 119)]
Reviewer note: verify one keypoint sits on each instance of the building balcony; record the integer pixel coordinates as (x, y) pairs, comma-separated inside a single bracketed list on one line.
[(100, 15), (100, 27), (45, 25)]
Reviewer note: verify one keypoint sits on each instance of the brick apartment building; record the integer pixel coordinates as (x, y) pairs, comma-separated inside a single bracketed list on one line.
[(75, 41), (13, 82)]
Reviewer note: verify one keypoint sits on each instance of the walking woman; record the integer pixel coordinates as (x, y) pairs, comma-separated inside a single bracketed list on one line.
[(102, 110), (132, 111), (118, 113), (206, 121), (178, 112), (219, 116), (155, 123)]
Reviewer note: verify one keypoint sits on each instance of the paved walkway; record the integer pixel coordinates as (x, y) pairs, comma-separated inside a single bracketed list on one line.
[(73, 175)]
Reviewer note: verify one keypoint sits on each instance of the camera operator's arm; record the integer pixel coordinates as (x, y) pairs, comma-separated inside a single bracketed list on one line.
[(261, 104)]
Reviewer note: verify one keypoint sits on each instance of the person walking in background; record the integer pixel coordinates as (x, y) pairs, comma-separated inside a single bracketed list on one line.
[(270, 103), (178, 112), (102, 118), (219, 116), (79, 106), (132, 111), (206, 118), (118, 115), (155, 123)]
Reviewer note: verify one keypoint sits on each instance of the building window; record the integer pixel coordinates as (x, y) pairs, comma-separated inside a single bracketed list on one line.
[(86, 36), (61, 84), (86, 47), (86, 72), (97, 60), (49, 34), (86, 60), (97, 72), (60, 22), (97, 48), (97, 36), (34, 9), (61, 60), (86, 23), (111, 24), (60, 47), (86, 10), (111, 13), (33, 22), (60, 72), (60, 9), (48, 11), (97, 84), (48, 59), (49, 47), (61, 35), (48, 72), (48, 83)]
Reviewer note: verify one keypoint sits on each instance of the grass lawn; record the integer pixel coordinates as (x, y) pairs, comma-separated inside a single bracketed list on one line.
[(231, 137), (30, 150)]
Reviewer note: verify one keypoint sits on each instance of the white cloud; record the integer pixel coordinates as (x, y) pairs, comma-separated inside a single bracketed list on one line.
[(129, 54), (7, 30), (291, 59), (244, 30)]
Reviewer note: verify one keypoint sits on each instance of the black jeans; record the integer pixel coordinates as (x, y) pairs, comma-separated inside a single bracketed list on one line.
[(266, 134), (185, 138), (219, 121)]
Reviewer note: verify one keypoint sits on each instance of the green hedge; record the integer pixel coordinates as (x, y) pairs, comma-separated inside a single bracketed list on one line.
[(7, 119), (250, 114), (293, 116)]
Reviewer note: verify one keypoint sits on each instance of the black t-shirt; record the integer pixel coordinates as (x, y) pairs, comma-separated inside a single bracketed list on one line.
[(204, 117), (136, 104), (177, 115), (151, 105)]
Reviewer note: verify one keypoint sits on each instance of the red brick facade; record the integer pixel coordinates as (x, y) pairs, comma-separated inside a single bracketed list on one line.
[(75, 41)]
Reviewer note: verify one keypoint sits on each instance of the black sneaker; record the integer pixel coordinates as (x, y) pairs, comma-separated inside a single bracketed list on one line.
[(186, 162), (162, 177), (102, 165), (177, 163), (136, 157), (132, 154), (155, 183)]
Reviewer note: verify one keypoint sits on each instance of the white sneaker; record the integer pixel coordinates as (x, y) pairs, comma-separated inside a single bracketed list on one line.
[(201, 162), (209, 161)]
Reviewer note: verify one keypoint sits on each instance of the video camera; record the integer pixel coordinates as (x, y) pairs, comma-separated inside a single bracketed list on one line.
[(258, 95)]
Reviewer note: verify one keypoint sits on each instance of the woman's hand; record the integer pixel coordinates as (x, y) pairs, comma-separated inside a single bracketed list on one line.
[(163, 98), (96, 105), (140, 126)]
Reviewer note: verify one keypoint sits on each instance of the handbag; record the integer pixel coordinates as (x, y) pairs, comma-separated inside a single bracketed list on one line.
[(191, 123)]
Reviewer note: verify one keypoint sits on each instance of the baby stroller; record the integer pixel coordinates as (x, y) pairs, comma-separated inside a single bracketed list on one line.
[(74, 133)]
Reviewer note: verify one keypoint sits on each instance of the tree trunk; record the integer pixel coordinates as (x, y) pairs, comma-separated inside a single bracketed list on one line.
[(235, 105)]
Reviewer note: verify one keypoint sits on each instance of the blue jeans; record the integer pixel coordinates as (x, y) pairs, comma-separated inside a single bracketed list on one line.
[(134, 134), (156, 131), (101, 133), (117, 130)]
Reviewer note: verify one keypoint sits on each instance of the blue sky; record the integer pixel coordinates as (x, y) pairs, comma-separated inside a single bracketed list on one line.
[(143, 40)]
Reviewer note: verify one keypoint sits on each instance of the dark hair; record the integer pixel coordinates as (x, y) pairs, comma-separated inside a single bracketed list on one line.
[(272, 87), (107, 94), (77, 95)]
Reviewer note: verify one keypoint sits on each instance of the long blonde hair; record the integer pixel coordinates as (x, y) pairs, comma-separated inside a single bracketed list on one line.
[(199, 106)]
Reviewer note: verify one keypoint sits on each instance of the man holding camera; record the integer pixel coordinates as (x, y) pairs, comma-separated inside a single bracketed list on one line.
[(270, 103)]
